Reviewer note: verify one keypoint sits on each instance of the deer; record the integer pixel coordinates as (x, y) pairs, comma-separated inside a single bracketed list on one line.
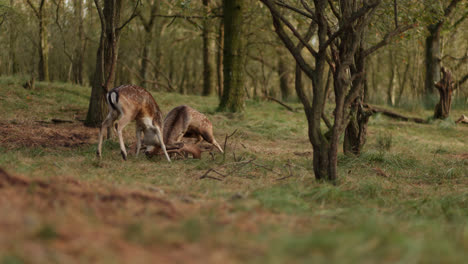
[(127, 103), (184, 121)]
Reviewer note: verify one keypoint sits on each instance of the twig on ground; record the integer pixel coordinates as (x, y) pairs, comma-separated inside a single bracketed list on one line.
[(225, 143), (282, 104)]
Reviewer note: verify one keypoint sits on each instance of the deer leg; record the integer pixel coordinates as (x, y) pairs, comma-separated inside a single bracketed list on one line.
[(104, 126), (138, 138), (119, 126), (161, 142)]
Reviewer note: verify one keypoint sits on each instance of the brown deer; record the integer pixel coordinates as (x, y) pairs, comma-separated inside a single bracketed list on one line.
[(184, 121), (130, 102)]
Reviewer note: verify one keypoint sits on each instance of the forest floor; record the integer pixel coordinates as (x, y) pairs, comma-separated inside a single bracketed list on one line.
[(405, 199)]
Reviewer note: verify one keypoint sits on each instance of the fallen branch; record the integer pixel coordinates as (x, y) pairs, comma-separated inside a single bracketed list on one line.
[(375, 109), (282, 104)]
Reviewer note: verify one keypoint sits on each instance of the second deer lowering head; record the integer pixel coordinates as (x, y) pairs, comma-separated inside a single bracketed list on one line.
[(128, 103), (184, 121)]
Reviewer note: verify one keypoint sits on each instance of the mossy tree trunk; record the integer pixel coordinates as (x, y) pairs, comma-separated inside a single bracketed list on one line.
[(233, 57)]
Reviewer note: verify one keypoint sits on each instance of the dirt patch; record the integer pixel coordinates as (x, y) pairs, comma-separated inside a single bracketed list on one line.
[(70, 221), (34, 134), (462, 156)]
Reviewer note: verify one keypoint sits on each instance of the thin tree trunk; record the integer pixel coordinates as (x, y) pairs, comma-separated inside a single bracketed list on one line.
[(233, 95), (284, 78), (391, 81), (43, 46), (78, 62), (209, 81), (219, 67), (12, 36)]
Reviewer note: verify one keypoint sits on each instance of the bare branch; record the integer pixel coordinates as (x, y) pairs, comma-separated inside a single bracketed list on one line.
[(100, 13), (333, 9), (295, 9), (33, 8), (349, 22), (386, 39), (134, 14)]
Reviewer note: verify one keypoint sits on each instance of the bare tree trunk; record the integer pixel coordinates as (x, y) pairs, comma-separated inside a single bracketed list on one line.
[(78, 62), (209, 81), (12, 36), (284, 77), (233, 95), (148, 26), (391, 82), (43, 47), (219, 67)]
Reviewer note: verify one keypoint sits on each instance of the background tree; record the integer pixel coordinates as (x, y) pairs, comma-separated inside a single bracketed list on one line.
[(233, 57), (43, 46)]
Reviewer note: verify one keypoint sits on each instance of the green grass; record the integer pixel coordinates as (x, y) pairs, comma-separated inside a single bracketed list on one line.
[(405, 199)]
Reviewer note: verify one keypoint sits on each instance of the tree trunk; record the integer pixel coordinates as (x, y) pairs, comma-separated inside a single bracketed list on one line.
[(219, 67), (356, 130), (12, 36), (209, 81), (148, 26), (106, 61), (78, 62), (43, 48), (391, 82), (445, 87), (233, 95), (432, 58), (285, 78), (148, 39)]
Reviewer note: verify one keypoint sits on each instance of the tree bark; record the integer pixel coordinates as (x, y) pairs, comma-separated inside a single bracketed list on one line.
[(284, 78), (433, 57), (219, 61), (209, 81), (43, 47), (78, 62), (391, 81), (445, 87), (356, 130), (12, 36), (233, 57), (148, 27)]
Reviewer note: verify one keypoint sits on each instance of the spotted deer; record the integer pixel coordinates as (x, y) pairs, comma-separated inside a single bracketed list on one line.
[(184, 121), (130, 102)]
